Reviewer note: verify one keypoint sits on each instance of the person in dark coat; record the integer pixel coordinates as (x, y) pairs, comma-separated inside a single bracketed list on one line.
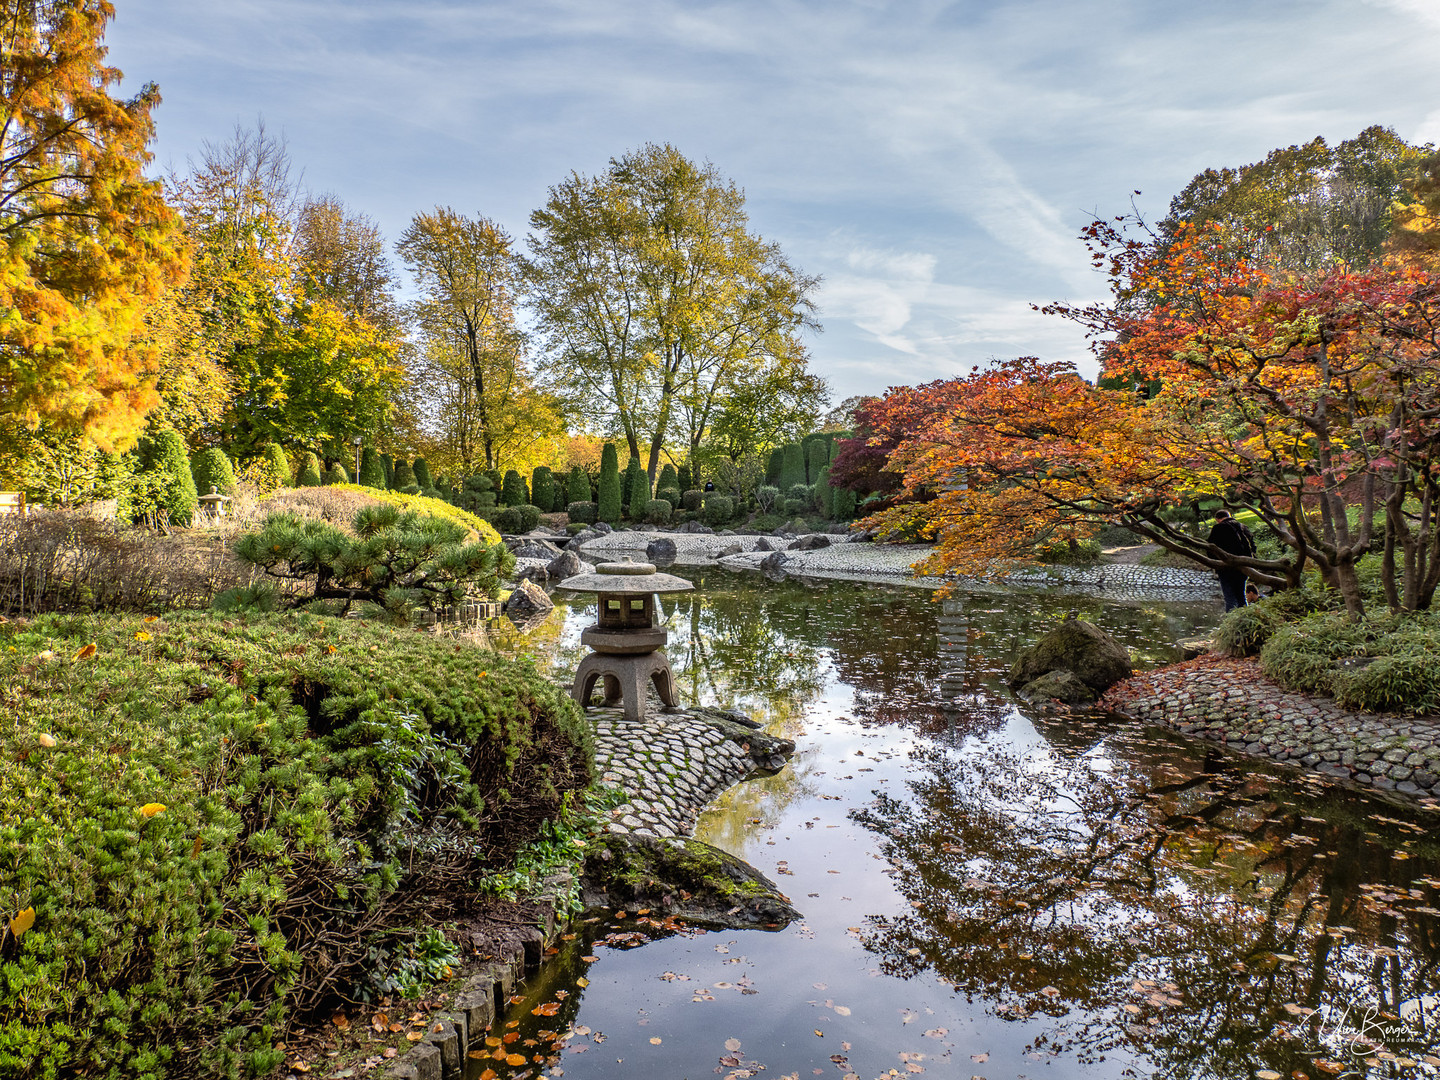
[(1234, 539)]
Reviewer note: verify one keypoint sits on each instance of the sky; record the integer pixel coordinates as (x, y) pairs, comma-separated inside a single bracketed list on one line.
[(933, 162)]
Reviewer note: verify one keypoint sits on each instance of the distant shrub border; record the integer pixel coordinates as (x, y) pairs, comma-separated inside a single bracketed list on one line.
[(212, 820)]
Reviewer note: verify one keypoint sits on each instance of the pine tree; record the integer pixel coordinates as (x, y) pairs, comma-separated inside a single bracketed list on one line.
[(578, 486), (309, 471), (542, 488), (372, 469), (792, 469), (610, 485), (212, 468)]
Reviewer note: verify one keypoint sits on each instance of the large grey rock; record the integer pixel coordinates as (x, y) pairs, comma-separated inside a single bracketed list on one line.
[(527, 601), (1082, 648), (661, 548), (694, 527), (602, 528), (813, 542), (729, 549), (763, 544), (528, 547), (1059, 685), (773, 566), (566, 565)]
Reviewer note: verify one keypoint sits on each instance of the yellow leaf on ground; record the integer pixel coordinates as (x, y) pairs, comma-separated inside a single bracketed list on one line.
[(86, 652), (47, 741), (141, 635), (22, 921), (150, 809)]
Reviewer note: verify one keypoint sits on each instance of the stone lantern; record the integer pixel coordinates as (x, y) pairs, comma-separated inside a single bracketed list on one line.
[(213, 505), (625, 640)]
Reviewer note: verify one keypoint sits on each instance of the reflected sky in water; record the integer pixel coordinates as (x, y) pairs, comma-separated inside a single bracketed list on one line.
[(994, 891)]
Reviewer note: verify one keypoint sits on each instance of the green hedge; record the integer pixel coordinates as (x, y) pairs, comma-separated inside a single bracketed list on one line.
[(212, 820)]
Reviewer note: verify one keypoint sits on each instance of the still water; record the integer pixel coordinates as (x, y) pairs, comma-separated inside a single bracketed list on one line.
[(990, 890)]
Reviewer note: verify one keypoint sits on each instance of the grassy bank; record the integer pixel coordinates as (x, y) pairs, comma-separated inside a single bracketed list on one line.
[(207, 823)]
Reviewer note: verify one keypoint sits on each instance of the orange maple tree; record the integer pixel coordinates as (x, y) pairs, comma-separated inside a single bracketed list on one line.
[(1310, 401)]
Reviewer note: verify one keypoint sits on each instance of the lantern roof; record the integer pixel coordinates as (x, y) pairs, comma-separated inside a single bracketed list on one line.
[(626, 578)]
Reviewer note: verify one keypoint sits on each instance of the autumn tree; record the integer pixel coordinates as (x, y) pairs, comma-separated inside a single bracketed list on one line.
[(89, 242), (471, 353), (1416, 234), (656, 300)]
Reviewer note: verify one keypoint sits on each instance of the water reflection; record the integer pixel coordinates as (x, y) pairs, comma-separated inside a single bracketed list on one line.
[(1206, 915), (1025, 887)]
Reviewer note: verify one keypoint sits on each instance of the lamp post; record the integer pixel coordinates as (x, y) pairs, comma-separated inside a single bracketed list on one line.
[(356, 441)]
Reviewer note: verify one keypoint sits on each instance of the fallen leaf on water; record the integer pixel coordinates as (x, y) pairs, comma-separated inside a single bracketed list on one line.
[(842, 1010), (1268, 1074), (819, 1033), (937, 1033), (655, 1040), (515, 1059), (980, 1059), (732, 1045), (589, 959), (582, 982), (23, 921), (550, 1008)]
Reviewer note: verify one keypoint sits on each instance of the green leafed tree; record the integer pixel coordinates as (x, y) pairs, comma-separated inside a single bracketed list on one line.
[(610, 496), (656, 300), (542, 488)]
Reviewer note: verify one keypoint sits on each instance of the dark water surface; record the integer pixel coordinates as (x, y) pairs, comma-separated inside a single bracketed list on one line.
[(991, 890)]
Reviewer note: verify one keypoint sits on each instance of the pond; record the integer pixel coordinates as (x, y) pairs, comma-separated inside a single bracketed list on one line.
[(990, 890)]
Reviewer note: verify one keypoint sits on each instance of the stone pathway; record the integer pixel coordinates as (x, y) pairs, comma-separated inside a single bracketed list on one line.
[(1232, 702), (671, 765)]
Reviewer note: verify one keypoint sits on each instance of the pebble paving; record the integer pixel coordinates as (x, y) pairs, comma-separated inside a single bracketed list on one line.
[(1232, 702), (670, 766)]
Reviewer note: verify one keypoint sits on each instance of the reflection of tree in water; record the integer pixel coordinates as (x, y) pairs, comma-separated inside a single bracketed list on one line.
[(1195, 911)]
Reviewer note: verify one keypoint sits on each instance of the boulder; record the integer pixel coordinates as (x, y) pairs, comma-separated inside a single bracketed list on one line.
[(566, 565), (694, 527), (1082, 648), (526, 601), (763, 544), (661, 548), (532, 570), (813, 542), (529, 547), (583, 537), (1059, 685), (729, 549), (773, 566), (601, 528)]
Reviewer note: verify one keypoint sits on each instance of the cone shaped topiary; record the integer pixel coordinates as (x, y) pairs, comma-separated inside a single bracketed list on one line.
[(792, 469), (637, 490), (372, 469), (388, 463), (578, 486), (163, 454), (275, 455), (512, 490), (212, 468), (542, 488), (422, 474), (610, 500), (309, 471), (403, 476)]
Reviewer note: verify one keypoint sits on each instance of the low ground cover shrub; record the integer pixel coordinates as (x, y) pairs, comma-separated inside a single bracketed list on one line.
[(1067, 553), (213, 820), (583, 512), (425, 505)]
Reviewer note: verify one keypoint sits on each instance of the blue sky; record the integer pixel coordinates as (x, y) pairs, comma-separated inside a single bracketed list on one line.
[(933, 161)]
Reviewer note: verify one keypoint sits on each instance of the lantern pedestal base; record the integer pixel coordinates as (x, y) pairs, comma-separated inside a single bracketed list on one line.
[(625, 680)]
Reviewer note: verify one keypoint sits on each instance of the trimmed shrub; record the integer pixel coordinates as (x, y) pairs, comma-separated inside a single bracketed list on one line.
[(692, 500), (165, 487), (389, 465), (796, 506), (529, 516), (685, 477), (433, 507), (578, 486), (817, 456), (637, 489), (800, 492), (509, 520), (719, 509), (1245, 630), (842, 504), (584, 512), (766, 496), (792, 467), (657, 511), (610, 495), (1069, 553), (669, 494), (824, 495), (403, 477), (497, 481), (775, 466), (668, 478), (513, 491), (275, 454), (422, 474), (309, 471), (290, 785), (212, 468), (542, 488), (372, 470)]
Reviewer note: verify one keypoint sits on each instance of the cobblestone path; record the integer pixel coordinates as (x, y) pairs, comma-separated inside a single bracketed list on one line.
[(1232, 702)]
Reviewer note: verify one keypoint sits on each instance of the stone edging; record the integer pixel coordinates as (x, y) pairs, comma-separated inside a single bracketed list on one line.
[(481, 999), (1233, 703)]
